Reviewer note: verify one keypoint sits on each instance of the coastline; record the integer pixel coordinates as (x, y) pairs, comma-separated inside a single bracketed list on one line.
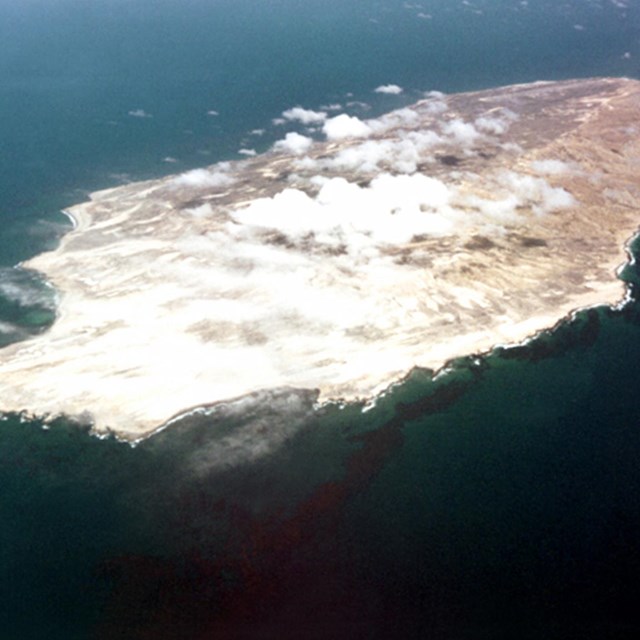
[(438, 369), (140, 251)]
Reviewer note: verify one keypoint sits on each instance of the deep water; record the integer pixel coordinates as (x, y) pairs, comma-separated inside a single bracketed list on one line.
[(496, 501)]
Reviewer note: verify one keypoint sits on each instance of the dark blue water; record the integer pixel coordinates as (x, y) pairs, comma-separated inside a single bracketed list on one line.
[(497, 502)]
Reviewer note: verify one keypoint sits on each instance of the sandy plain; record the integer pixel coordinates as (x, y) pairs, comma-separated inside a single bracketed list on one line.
[(459, 223)]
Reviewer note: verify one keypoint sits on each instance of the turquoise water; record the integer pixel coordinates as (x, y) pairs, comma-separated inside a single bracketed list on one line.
[(498, 502)]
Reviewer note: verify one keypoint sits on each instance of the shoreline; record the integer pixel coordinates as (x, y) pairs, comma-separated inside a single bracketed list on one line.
[(180, 294), (369, 403)]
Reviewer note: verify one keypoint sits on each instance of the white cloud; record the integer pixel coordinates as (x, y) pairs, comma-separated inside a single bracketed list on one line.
[(258, 424), (293, 143), (399, 118), (390, 89), (201, 178), (391, 210), (305, 116), (365, 157), (139, 113), (463, 133), (513, 197), (344, 126), (8, 329), (554, 198), (500, 210), (257, 132), (247, 152), (170, 159), (396, 203), (357, 104), (334, 106), (495, 125), (436, 107), (402, 154), (550, 167), (213, 112), (288, 211), (203, 211), (536, 193)]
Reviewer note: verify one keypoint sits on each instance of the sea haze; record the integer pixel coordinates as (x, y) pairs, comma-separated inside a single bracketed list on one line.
[(498, 501)]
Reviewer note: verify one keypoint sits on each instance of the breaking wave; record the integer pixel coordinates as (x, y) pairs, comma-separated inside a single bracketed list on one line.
[(238, 431), (27, 304)]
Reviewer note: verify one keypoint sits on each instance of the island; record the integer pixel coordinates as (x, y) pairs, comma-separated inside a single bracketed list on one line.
[(337, 263)]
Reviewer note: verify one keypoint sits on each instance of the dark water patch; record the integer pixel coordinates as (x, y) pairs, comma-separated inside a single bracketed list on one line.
[(500, 516), (498, 500), (630, 275), (580, 332), (63, 507)]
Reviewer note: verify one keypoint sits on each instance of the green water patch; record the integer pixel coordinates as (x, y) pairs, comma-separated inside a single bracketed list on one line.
[(27, 305)]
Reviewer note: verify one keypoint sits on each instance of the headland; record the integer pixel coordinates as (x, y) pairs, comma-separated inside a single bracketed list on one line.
[(435, 231)]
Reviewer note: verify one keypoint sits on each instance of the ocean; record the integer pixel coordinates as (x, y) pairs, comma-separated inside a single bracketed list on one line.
[(496, 500)]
